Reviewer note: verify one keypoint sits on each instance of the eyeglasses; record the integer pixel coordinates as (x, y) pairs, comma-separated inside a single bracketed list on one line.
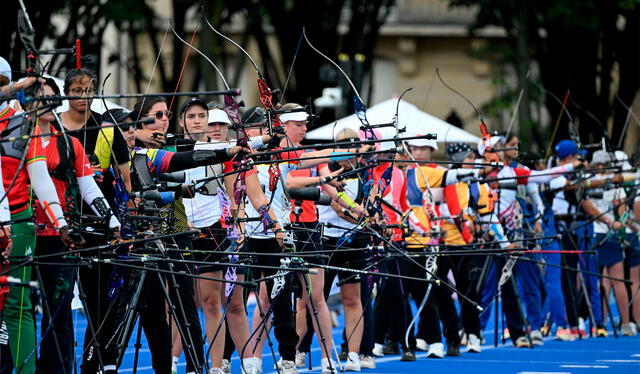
[(159, 114), (79, 91), (202, 116)]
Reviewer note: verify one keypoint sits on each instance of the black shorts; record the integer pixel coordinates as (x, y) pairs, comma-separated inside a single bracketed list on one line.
[(349, 259), (209, 246), (308, 241)]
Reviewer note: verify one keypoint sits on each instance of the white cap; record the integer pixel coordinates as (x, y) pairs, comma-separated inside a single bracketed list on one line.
[(492, 142), (423, 143), (5, 68), (218, 116), (623, 159), (600, 157), (294, 116)]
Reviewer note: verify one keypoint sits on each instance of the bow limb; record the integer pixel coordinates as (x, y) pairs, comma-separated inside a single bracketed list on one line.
[(224, 81), (304, 34)]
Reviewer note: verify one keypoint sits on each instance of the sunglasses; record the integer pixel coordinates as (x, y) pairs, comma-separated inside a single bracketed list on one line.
[(159, 114), (126, 126)]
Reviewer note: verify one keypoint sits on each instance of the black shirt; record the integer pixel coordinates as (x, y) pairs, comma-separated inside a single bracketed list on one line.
[(119, 153)]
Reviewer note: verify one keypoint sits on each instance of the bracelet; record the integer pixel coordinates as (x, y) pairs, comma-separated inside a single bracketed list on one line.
[(588, 183), (343, 196)]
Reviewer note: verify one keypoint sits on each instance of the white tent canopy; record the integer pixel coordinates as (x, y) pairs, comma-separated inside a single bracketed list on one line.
[(416, 122)]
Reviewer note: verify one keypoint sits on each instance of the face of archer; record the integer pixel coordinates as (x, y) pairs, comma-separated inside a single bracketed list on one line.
[(471, 157), (130, 136), (218, 131), (160, 114), (194, 121), (81, 86), (296, 130), (421, 153), (515, 144), (498, 150), (47, 91)]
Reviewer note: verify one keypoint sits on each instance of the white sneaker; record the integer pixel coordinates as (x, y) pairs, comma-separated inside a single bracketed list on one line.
[(226, 365), (248, 366), (215, 371), (628, 329), (301, 359), (288, 367), (473, 344), (377, 350), (436, 350), (326, 368), (536, 338), (422, 345), (367, 362), (257, 364), (353, 362)]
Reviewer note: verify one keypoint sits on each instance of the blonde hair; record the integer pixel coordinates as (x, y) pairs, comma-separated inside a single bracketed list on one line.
[(289, 106), (346, 133)]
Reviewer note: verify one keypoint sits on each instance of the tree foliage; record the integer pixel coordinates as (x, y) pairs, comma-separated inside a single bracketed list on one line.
[(586, 50), (282, 19)]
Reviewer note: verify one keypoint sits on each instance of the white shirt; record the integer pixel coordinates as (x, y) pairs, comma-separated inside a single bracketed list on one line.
[(327, 214), (606, 204), (279, 202)]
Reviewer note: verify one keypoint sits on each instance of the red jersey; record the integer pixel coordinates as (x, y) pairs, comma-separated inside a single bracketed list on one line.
[(309, 212), (81, 166), (19, 193), (395, 194)]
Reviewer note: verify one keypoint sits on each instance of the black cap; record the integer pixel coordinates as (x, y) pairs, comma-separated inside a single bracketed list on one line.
[(116, 114), (255, 114), (192, 101)]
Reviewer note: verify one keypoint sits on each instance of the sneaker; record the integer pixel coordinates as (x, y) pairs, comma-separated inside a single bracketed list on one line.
[(226, 365), (408, 356), (453, 350), (601, 332), (328, 366), (257, 363), (377, 351), (353, 362), (367, 362), (391, 348), (301, 359), (422, 345), (576, 333), (564, 334), (288, 367), (473, 344), (536, 338), (215, 371), (249, 366), (522, 342), (436, 350), (628, 329)]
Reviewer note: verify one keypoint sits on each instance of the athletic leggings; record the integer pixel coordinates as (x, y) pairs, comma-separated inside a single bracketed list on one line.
[(17, 313)]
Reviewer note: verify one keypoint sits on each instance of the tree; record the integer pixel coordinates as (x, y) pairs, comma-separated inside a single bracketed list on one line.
[(585, 50)]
